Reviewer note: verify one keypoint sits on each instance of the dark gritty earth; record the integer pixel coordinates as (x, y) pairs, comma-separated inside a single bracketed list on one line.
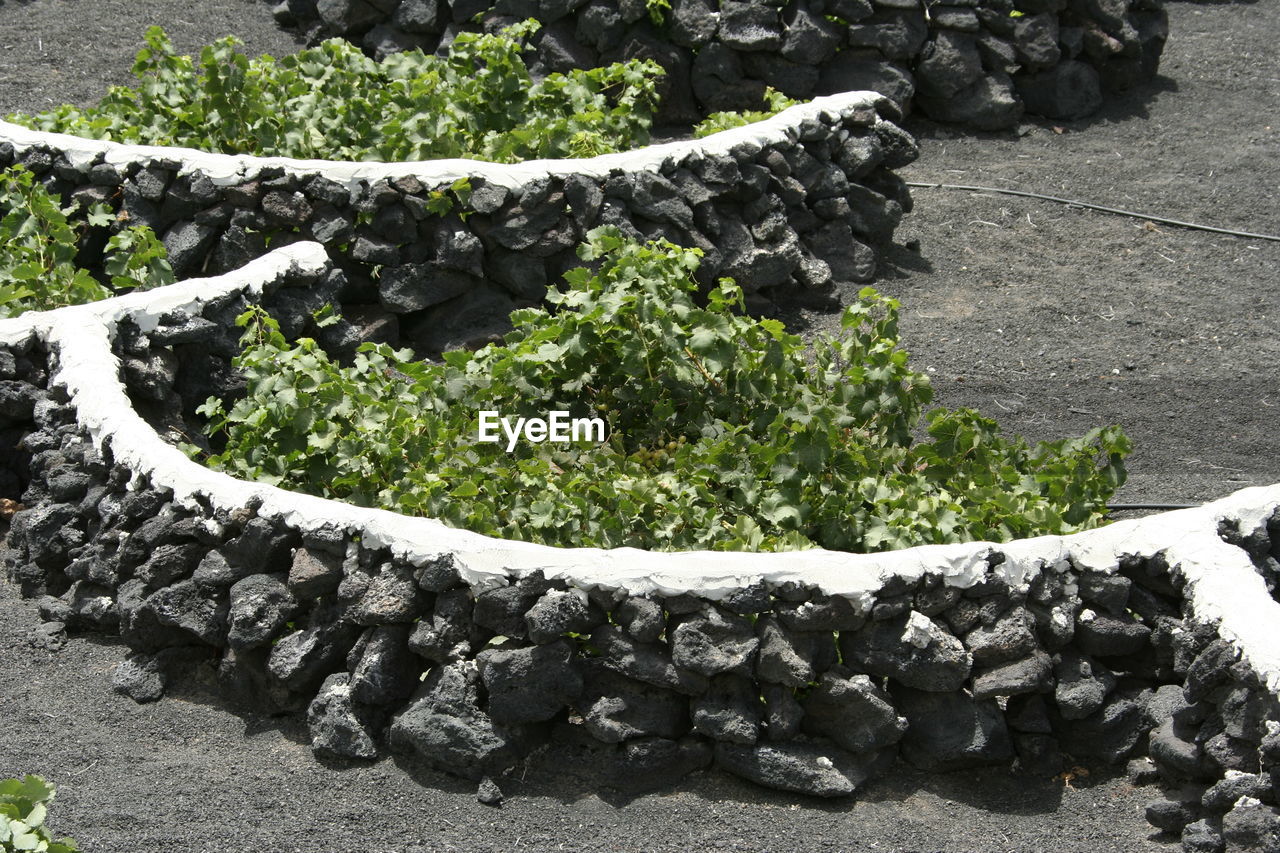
[(1054, 319), (1051, 319)]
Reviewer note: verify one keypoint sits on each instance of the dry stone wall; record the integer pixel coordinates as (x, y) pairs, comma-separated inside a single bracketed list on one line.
[(1148, 643), (785, 206), (979, 63)]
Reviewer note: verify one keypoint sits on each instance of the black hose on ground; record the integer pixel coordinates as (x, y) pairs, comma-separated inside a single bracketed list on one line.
[(1088, 206)]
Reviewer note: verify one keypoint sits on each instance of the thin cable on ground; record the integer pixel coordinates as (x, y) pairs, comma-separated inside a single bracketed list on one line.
[(1126, 507), (1074, 203)]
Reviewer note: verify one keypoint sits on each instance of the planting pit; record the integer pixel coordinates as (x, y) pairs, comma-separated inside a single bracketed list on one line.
[(809, 672)]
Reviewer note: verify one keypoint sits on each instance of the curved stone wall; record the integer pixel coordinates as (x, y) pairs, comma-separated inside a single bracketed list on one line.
[(786, 206), (974, 62), (806, 671)]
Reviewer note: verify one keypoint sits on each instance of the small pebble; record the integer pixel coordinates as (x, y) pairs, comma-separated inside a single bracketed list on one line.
[(50, 635), (489, 793), (1142, 771)]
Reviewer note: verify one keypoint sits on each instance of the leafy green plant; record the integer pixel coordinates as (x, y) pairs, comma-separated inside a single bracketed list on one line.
[(440, 202), (24, 806), (333, 102), (658, 11), (775, 102), (38, 267), (725, 430)]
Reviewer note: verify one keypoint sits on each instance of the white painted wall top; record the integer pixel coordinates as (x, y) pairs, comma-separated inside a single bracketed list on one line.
[(228, 169)]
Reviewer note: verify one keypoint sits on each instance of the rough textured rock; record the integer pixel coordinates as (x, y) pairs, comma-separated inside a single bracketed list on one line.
[(783, 713), (412, 287), (1174, 749), (1104, 635), (1032, 674), (560, 612), (1109, 734), (347, 17), (302, 659), (140, 677), (896, 34), (50, 636), (336, 728), (848, 258), (834, 613), (1223, 794), (786, 657), (468, 745), (1202, 836), (502, 610), (1171, 815), (143, 676), (445, 727), (1070, 90), (912, 650), (813, 768), (488, 792), (714, 642), (693, 22), (853, 712), (383, 669), (530, 684), (749, 26), (616, 708), (1251, 826), (1209, 669), (988, 103), (1083, 685), (314, 573), (1010, 637), (389, 595), (853, 72), (948, 63), (169, 564), (260, 605), (189, 608), (948, 731), (729, 710), (188, 244), (445, 634), (261, 548), (642, 618)]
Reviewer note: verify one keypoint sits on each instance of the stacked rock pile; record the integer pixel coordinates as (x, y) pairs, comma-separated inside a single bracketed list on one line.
[(979, 63)]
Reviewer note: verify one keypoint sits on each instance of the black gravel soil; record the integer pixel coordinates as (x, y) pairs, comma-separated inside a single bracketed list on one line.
[(1053, 319), (1049, 318), (56, 52), (185, 774)]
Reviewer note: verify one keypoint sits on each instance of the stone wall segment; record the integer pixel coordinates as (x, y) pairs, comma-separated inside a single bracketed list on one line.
[(1147, 642), (787, 206), (979, 63)]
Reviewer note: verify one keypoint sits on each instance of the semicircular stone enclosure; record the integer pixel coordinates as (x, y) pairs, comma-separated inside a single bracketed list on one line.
[(979, 63), (1150, 642)]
